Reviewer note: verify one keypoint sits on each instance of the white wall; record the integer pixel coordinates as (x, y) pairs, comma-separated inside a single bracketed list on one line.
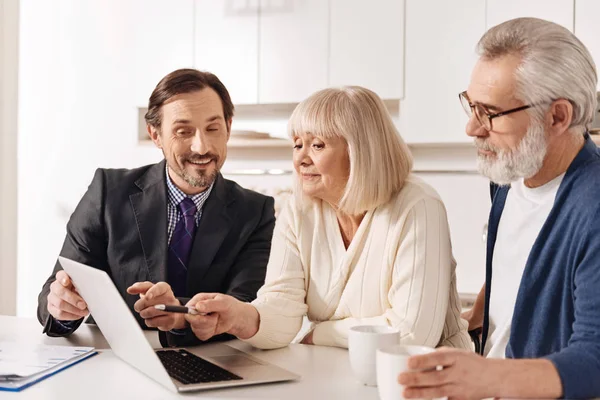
[(74, 116), (9, 17)]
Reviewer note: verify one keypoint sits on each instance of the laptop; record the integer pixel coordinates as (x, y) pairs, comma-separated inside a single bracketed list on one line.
[(209, 366)]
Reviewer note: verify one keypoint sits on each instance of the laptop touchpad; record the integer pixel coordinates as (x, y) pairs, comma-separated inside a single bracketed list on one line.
[(235, 361)]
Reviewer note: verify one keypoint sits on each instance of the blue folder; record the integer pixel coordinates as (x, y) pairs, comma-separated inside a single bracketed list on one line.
[(13, 383)]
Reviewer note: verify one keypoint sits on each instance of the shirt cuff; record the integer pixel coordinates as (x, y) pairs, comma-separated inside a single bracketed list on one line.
[(56, 328), (275, 330), (65, 324)]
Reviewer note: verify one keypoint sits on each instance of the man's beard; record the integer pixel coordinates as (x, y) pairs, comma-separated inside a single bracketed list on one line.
[(510, 165), (204, 180)]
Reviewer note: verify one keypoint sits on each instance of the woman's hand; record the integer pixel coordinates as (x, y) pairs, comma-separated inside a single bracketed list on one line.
[(220, 313), (474, 318)]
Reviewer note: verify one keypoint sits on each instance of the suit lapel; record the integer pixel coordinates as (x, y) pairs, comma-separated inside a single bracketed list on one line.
[(150, 209), (215, 224)]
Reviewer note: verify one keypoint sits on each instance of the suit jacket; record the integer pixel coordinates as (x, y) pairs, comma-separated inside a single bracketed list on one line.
[(120, 226)]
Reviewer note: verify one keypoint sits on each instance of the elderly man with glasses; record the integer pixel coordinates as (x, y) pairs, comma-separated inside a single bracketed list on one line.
[(531, 98)]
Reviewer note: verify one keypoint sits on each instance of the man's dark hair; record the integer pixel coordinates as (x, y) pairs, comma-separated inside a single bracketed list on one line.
[(185, 81)]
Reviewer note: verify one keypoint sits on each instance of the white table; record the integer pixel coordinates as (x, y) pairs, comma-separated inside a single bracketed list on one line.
[(325, 371)]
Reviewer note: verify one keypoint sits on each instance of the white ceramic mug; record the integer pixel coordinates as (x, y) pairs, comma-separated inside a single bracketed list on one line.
[(391, 361), (363, 342)]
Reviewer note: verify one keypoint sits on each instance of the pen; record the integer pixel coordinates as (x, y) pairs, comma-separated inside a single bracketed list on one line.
[(176, 309)]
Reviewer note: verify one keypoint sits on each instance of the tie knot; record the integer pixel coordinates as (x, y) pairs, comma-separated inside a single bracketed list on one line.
[(187, 206)]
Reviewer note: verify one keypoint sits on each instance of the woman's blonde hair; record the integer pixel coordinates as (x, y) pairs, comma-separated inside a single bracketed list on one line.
[(380, 160)]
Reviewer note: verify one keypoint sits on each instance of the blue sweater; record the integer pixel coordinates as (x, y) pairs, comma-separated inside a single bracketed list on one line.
[(557, 311)]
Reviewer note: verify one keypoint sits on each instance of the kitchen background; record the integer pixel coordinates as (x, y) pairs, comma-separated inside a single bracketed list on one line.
[(75, 77)]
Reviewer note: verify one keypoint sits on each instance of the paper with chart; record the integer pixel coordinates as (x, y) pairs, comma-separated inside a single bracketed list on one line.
[(24, 360)]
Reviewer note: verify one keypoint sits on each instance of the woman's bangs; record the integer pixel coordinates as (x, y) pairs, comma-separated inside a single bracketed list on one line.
[(315, 116)]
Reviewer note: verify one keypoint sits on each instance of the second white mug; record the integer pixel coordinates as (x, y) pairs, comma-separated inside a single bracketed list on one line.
[(391, 361), (363, 342)]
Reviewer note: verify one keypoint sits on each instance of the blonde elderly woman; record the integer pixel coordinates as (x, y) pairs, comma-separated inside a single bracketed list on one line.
[(361, 242)]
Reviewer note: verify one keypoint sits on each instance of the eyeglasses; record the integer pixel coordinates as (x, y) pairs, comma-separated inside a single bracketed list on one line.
[(482, 115)]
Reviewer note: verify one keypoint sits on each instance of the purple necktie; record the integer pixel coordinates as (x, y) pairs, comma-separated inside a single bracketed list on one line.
[(181, 246)]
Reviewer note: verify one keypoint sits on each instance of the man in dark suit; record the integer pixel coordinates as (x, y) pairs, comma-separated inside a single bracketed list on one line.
[(168, 231)]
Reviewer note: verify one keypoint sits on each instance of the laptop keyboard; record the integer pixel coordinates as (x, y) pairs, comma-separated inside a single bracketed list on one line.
[(188, 368)]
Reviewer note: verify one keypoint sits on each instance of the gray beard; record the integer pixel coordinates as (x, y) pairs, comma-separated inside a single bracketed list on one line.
[(510, 165)]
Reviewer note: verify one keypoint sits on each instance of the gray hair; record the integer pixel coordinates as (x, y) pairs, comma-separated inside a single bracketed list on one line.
[(554, 65)]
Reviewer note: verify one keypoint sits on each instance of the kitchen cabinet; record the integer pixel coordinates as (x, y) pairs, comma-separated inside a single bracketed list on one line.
[(281, 51), (587, 28), (293, 55), (440, 39), (159, 38), (559, 11), (367, 45), (467, 200), (226, 44)]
